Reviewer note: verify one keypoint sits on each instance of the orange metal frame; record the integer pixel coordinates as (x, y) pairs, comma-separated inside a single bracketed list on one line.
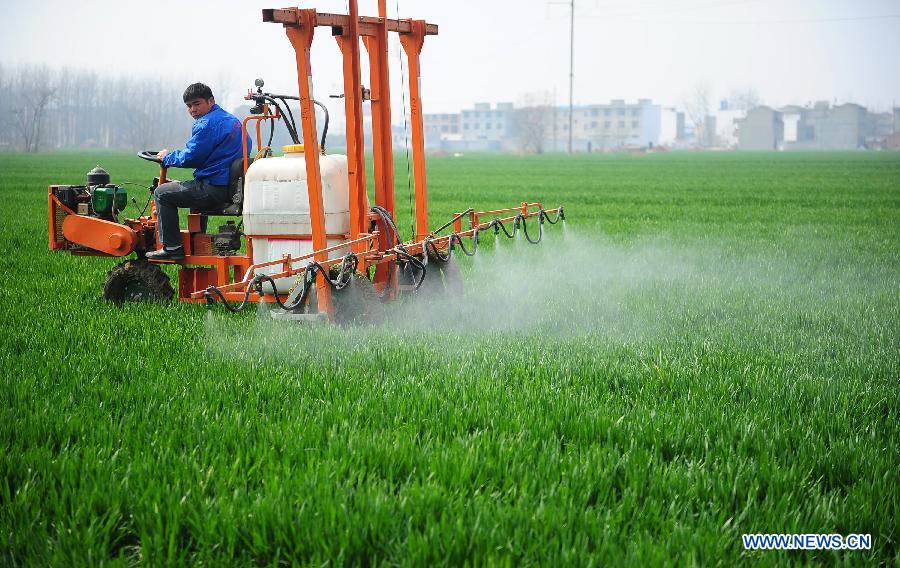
[(232, 274)]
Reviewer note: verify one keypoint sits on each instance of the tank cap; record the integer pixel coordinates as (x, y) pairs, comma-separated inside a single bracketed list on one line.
[(292, 149), (97, 176)]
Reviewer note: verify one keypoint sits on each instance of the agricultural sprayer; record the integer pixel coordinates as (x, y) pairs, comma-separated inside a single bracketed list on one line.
[(306, 237)]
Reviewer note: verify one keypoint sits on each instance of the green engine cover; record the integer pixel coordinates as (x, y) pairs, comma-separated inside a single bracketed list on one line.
[(102, 198)]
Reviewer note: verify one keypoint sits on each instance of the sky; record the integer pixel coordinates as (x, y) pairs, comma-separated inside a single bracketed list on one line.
[(789, 51)]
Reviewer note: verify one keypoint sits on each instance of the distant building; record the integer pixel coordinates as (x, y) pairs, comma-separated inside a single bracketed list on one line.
[(440, 127), (893, 139), (845, 127), (795, 127), (618, 124), (761, 129), (644, 124), (486, 128), (671, 127), (724, 129), (824, 127)]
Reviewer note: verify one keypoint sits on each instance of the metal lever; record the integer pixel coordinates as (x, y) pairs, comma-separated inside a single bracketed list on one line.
[(366, 94)]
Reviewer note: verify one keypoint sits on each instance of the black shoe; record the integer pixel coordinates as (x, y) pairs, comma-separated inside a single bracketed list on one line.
[(166, 254)]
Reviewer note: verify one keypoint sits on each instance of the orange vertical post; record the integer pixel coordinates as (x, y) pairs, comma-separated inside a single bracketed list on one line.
[(301, 36), (348, 43), (382, 148), (412, 45), (382, 140)]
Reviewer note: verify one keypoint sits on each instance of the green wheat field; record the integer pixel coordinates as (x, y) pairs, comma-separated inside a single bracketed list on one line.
[(709, 346)]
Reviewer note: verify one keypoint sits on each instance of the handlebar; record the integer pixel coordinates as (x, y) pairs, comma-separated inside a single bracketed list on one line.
[(149, 155)]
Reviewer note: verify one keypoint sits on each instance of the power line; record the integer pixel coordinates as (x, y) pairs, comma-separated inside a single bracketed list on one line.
[(668, 9), (762, 22)]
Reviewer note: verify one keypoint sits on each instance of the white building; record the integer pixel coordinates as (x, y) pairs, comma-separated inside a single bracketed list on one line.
[(486, 128), (726, 127), (671, 127), (617, 124)]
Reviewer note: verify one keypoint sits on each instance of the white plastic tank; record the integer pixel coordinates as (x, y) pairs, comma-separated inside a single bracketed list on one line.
[(276, 208)]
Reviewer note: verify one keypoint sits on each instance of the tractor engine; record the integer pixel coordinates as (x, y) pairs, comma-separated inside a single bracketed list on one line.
[(84, 219), (97, 198)]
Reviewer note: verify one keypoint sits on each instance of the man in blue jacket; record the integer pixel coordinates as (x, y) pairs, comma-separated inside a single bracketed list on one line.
[(215, 143)]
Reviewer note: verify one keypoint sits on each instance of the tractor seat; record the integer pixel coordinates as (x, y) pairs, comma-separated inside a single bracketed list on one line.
[(235, 190)]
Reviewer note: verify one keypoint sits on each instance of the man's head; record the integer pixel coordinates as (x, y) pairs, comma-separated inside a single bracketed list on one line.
[(199, 100)]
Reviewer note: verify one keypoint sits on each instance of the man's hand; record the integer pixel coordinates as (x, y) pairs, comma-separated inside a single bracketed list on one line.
[(162, 153)]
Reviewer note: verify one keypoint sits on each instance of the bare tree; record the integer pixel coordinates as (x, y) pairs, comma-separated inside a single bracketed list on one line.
[(532, 122), (744, 99), (70, 108), (30, 90), (696, 107), (223, 87), (6, 134)]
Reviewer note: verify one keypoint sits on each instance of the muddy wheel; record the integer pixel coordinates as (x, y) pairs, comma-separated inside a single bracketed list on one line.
[(357, 303), (137, 281)]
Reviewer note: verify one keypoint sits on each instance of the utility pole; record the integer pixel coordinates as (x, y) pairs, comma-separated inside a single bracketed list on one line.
[(555, 122), (571, 4), (571, 64)]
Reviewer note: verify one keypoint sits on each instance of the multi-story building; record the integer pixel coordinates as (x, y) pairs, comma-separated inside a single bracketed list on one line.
[(439, 127), (617, 124), (845, 127), (480, 128), (761, 129), (824, 127), (486, 128), (595, 128)]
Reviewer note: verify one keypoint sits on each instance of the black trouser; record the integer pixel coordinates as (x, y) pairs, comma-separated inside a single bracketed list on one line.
[(195, 194)]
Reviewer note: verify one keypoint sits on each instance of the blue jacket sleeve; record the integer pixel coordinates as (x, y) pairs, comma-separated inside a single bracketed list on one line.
[(196, 150)]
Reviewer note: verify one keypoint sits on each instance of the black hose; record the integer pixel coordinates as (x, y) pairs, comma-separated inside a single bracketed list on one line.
[(146, 205), (462, 247), (350, 262), (348, 266), (393, 237), (499, 226), (520, 221), (288, 115), (388, 220), (289, 112), (560, 216), (288, 123), (208, 294), (453, 220), (521, 218), (435, 252), (324, 127), (147, 187), (415, 262)]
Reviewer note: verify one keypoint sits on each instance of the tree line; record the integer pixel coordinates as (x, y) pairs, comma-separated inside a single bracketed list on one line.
[(43, 108)]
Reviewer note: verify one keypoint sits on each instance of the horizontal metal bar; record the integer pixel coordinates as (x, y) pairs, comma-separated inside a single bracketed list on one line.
[(508, 209), (375, 257), (368, 25)]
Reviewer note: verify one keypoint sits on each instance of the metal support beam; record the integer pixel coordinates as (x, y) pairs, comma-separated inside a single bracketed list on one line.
[(367, 25), (301, 37), (412, 45), (356, 159)]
